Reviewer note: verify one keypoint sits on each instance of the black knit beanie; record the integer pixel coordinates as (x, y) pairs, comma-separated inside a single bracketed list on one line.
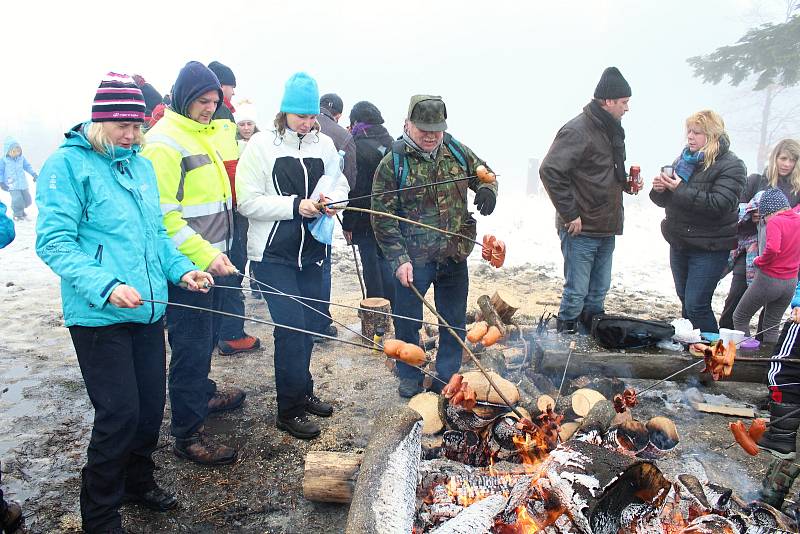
[(612, 85), (223, 72), (365, 112), (194, 80), (331, 102)]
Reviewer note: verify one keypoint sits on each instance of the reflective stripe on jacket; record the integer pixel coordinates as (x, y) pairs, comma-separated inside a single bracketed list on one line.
[(195, 192)]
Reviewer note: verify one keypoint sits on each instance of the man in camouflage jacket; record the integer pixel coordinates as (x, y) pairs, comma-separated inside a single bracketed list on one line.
[(426, 155)]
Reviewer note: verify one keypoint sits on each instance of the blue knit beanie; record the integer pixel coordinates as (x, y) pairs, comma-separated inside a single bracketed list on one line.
[(194, 80), (300, 95), (772, 200)]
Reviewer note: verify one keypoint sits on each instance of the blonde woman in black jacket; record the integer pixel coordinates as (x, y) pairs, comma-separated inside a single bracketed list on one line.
[(701, 201)]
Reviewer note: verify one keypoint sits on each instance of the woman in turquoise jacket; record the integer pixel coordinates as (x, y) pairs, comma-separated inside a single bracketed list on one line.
[(100, 229)]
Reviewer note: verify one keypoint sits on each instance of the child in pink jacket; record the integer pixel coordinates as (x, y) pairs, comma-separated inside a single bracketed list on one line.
[(778, 264)]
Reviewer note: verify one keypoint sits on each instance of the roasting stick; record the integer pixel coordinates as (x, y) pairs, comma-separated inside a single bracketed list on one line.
[(329, 204), (566, 366), (464, 346), (319, 205), (281, 293), (698, 362), (388, 314)]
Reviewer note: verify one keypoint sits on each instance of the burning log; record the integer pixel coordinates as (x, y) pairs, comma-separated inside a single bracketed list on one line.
[(662, 437), (631, 435), (711, 524), (330, 476), (384, 495), (370, 321), (599, 417), (597, 484), (477, 518), (505, 304)]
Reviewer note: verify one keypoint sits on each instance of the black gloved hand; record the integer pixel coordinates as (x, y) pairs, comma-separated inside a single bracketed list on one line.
[(485, 200)]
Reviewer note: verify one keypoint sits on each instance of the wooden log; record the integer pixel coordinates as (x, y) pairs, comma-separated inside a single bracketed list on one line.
[(371, 321), (505, 304), (493, 359), (477, 517), (330, 476), (490, 315), (427, 405), (485, 392), (567, 430), (599, 417), (543, 402), (550, 361), (607, 386), (583, 400), (542, 382)]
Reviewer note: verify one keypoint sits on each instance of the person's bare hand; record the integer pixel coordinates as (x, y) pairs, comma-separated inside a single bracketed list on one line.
[(308, 208), (197, 281), (405, 273), (670, 182), (125, 297), (574, 227), (658, 184), (348, 236), (221, 266), (796, 315)]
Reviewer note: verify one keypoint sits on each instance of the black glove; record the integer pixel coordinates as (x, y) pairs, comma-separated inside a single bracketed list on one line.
[(485, 200)]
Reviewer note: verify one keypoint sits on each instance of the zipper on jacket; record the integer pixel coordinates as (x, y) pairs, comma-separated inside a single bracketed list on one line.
[(302, 226), (99, 254), (149, 283)]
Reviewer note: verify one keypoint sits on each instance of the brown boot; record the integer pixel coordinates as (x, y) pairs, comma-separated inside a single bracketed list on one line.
[(12, 521), (200, 449), (226, 399)]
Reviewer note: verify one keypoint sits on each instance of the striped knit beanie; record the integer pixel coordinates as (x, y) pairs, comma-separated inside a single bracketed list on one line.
[(118, 99)]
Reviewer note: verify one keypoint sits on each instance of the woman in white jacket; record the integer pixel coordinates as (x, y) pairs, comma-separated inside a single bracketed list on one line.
[(280, 177)]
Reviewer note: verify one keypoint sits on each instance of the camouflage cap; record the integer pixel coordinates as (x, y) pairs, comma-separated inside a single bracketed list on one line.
[(428, 113)]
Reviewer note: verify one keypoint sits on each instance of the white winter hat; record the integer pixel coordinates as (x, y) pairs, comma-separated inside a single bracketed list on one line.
[(246, 111)]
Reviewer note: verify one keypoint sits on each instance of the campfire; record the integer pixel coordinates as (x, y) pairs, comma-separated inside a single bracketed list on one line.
[(577, 462)]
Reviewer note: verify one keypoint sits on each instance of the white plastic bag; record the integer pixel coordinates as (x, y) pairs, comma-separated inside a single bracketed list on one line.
[(685, 331)]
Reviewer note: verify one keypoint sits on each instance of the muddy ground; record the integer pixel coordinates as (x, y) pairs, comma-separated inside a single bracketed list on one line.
[(46, 416)]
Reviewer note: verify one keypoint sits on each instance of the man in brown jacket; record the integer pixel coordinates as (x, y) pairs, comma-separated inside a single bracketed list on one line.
[(584, 174)]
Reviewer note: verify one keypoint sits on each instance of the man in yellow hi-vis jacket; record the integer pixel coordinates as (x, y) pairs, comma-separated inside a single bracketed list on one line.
[(197, 208)]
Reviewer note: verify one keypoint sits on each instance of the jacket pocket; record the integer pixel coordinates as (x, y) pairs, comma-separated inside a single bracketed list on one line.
[(99, 254)]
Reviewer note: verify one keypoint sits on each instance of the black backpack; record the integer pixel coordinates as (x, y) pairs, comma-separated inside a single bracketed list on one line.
[(621, 332)]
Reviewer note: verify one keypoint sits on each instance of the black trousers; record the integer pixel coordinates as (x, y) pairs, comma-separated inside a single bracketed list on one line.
[(784, 378), (123, 367), (292, 349)]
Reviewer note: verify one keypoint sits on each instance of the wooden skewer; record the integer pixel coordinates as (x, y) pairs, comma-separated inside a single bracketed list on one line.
[(471, 355)]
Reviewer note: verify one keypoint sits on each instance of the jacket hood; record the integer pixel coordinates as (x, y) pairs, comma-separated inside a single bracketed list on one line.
[(9, 143), (76, 137)]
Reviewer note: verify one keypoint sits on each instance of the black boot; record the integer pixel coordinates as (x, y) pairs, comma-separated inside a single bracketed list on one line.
[(778, 481), (585, 320), (566, 327), (780, 437)]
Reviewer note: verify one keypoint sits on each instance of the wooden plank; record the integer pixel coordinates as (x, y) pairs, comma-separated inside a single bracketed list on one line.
[(724, 409)]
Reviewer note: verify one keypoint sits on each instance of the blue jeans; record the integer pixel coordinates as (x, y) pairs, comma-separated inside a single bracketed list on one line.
[(378, 275), (192, 334), (292, 353), (450, 284), (696, 274), (587, 275)]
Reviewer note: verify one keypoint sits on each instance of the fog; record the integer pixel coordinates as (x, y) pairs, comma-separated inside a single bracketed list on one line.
[(511, 73)]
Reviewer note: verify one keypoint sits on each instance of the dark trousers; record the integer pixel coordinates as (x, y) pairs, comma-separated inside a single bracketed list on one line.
[(696, 274), (450, 282), (378, 275), (233, 302), (292, 354), (192, 337), (784, 379), (738, 287), (123, 369), (321, 321)]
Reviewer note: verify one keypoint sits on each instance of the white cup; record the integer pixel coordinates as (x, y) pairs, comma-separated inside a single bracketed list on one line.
[(727, 335)]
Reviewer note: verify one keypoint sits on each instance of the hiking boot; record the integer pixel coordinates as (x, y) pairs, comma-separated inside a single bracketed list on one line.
[(316, 406), (778, 481), (155, 499), (567, 327), (235, 346), (329, 331), (300, 427), (200, 449), (409, 387), (225, 400), (12, 521), (780, 437)]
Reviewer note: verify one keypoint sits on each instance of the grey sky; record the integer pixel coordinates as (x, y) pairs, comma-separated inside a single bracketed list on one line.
[(511, 72)]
